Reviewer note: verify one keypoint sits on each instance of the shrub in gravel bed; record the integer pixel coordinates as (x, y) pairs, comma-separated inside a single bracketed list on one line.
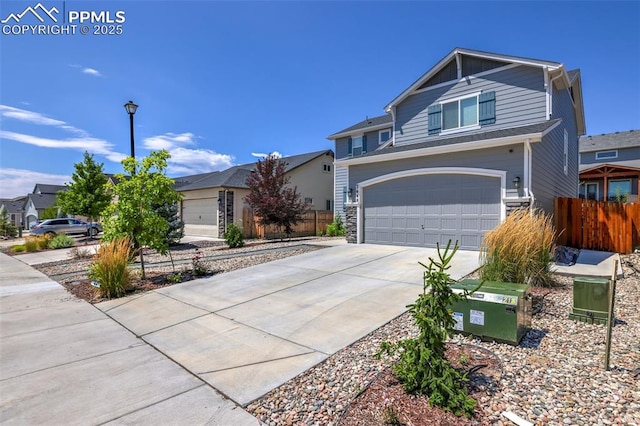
[(519, 250), (61, 241), (233, 237), (110, 268)]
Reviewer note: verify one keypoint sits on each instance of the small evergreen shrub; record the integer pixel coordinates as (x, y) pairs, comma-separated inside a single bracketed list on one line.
[(520, 249), (233, 237), (110, 270), (61, 241), (336, 228), (422, 366), (18, 249)]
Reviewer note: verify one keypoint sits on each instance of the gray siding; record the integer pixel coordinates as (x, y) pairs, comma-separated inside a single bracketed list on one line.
[(520, 100), (548, 178), (341, 180), (493, 158), (342, 144), (624, 154)]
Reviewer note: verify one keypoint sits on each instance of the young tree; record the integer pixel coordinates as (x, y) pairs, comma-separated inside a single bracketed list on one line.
[(175, 231), (87, 194), (270, 198), (7, 229), (134, 213)]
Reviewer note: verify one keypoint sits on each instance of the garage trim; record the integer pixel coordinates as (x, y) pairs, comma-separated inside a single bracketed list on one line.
[(427, 171)]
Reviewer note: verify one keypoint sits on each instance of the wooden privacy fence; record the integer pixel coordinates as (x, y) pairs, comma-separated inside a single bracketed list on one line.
[(597, 225), (313, 223)]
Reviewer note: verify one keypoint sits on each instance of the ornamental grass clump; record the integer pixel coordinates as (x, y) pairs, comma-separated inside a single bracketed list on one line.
[(519, 250), (110, 270)]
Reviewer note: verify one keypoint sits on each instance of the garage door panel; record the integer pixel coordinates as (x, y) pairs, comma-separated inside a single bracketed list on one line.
[(429, 209), (200, 212)]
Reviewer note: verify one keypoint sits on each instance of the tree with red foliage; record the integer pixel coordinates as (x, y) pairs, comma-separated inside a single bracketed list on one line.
[(272, 201)]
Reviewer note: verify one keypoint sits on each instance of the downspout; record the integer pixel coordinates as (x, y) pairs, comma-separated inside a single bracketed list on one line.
[(529, 171), (393, 130), (547, 91)]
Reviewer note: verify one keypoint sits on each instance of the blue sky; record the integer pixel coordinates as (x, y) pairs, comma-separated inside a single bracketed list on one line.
[(218, 82)]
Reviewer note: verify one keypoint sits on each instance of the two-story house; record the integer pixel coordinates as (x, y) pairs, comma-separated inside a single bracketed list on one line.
[(610, 166), (211, 201), (476, 135), (41, 198)]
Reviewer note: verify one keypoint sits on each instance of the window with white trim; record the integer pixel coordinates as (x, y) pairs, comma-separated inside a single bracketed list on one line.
[(308, 201), (566, 153), (460, 113), (357, 145), (605, 155), (383, 136)]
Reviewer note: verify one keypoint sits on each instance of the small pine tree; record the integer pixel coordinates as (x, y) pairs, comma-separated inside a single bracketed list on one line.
[(273, 202), (169, 211), (7, 229)]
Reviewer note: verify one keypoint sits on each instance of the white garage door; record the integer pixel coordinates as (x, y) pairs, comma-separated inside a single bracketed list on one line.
[(200, 212), (429, 209)]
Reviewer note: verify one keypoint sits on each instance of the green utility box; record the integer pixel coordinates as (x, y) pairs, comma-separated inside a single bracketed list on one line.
[(496, 311), (590, 300)]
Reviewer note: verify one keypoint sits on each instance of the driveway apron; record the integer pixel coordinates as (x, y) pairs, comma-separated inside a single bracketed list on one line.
[(248, 331)]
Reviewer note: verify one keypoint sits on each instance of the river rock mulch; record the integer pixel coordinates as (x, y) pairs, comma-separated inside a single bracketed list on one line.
[(554, 376)]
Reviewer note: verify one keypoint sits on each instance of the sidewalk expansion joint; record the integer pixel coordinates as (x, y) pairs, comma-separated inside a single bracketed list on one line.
[(256, 363)]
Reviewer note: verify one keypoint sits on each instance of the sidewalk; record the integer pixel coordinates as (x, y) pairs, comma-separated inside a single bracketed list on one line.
[(65, 362)]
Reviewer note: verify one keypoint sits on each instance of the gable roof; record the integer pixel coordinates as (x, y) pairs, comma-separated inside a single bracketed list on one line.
[(13, 205), (610, 141), (552, 66), (46, 188), (42, 201), (379, 122), (534, 131), (236, 176)]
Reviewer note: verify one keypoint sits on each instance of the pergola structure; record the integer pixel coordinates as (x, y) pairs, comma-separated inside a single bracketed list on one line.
[(607, 172)]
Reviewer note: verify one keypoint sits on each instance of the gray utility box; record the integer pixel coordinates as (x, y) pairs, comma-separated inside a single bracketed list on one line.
[(497, 311), (590, 300)]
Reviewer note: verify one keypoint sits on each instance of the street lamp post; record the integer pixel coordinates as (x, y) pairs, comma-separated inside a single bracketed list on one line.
[(131, 109)]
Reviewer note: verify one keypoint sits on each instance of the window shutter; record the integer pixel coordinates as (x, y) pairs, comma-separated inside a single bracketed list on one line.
[(435, 120), (364, 144), (487, 108), (350, 147)]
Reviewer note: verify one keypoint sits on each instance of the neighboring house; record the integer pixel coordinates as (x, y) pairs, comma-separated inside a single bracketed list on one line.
[(207, 196), (610, 165), (476, 135), (13, 207), (42, 197)]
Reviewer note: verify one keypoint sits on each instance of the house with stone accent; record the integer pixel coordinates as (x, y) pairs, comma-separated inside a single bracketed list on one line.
[(211, 201), (476, 135), (610, 166)]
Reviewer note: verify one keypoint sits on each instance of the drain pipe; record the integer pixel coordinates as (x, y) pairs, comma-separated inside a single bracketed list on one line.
[(551, 92), (528, 191)]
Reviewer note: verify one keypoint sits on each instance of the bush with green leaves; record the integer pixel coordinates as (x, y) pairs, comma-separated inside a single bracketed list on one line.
[(7, 229), (422, 366), (19, 248), (61, 241), (336, 228), (519, 250), (233, 237), (110, 268)]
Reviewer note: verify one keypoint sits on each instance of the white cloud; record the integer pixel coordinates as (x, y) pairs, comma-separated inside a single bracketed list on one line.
[(82, 142), (37, 118), (276, 154), (18, 182), (168, 141), (186, 161), (92, 71)]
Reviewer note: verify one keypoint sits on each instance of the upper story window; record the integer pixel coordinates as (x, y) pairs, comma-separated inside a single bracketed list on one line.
[(326, 168), (383, 136), (460, 113), (463, 113), (604, 155), (357, 145)]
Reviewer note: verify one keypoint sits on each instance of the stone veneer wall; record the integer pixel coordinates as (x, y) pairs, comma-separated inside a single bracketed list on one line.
[(351, 223), (221, 212)]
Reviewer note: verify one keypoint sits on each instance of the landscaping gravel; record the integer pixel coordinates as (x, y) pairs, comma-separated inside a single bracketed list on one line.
[(555, 376)]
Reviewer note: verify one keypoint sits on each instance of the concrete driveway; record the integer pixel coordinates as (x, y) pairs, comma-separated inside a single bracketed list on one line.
[(248, 331)]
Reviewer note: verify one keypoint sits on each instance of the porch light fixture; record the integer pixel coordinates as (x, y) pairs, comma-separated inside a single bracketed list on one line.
[(350, 193), (516, 182)]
